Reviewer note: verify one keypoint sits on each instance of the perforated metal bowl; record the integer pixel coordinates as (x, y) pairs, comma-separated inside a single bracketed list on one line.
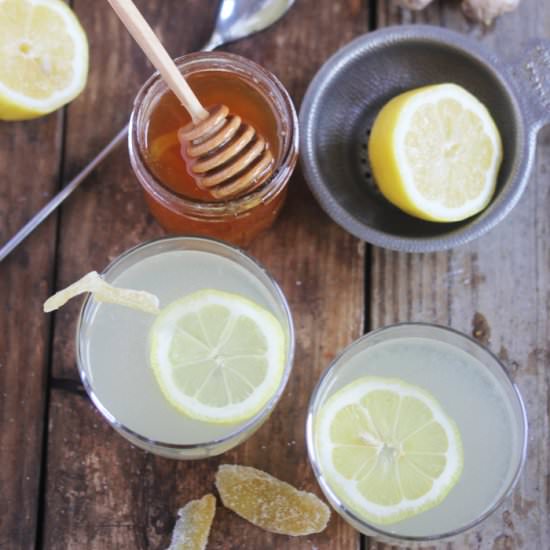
[(353, 85)]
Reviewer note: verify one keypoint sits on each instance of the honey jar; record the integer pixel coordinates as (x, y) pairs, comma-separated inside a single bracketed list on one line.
[(174, 198)]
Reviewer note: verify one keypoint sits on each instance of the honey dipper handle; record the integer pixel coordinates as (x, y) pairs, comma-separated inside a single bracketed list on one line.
[(158, 56)]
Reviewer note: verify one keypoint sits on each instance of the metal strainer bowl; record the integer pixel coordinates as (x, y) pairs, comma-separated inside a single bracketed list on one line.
[(350, 89)]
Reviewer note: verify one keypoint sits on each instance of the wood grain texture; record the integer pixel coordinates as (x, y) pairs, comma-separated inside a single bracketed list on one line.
[(102, 492), (29, 175), (495, 288)]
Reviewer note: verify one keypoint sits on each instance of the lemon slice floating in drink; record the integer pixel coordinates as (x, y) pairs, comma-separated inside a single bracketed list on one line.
[(217, 357), (435, 153), (388, 449), (44, 59)]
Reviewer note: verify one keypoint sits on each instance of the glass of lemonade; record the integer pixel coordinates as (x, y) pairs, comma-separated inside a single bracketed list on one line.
[(439, 405), (113, 343)]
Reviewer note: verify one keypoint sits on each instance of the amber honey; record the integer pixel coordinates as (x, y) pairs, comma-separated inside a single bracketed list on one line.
[(171, 190), (164, 155)]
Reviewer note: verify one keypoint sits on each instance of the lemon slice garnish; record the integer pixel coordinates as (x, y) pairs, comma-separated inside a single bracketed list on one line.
[(218, 357), (43, 57), (435, 153), (387, 449)]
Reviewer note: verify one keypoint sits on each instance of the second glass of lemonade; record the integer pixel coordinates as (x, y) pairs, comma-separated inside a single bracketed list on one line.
[(113, 343), (416, 433)]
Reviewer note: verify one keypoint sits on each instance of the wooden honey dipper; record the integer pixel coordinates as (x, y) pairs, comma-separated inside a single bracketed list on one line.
[(228, 156)]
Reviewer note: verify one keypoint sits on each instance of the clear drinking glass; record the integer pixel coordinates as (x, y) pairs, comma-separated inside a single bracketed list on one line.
[(473, 388), (113, 348)]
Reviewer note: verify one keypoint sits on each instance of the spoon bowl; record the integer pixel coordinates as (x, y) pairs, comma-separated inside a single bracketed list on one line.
[(238, 20)]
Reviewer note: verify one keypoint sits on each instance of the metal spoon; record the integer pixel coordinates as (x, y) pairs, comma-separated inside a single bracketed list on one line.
[(236, 19)]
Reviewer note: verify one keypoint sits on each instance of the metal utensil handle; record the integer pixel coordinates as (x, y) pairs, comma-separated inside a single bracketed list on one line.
[(46, 210), (532, 74)]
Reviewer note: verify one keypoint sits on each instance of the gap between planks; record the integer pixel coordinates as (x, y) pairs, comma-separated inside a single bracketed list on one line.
[(41, 497)]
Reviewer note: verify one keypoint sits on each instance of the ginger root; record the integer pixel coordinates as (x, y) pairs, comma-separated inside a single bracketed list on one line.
[(485, 11), (414, 4)]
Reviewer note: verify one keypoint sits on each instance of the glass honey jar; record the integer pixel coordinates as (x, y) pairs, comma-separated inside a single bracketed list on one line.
[(171, 191)]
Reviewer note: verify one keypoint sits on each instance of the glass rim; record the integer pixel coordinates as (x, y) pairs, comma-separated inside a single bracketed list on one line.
[(336, 501), (248, 70), (242, 428)]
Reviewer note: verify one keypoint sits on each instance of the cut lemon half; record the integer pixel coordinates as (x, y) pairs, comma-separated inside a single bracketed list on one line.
[(435, 153), (387, 449), (43, 57), (217, 357)]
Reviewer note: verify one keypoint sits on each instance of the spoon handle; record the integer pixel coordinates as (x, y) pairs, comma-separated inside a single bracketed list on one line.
[(47, 209), (158, 56)]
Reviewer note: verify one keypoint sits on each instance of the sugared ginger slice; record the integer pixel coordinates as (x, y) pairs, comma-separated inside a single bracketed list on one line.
[(104, 292), (193, 525), (270, 503)]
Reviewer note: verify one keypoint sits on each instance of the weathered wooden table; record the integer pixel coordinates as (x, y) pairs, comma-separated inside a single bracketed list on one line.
[(67, 480)]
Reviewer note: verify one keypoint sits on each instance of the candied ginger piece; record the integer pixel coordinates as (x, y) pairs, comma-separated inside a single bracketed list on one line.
[(193, 525), (104, 292), (270, 503)]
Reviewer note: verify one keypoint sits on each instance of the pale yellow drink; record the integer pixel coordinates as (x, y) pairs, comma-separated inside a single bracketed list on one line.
[(472, 389), (114, 342)]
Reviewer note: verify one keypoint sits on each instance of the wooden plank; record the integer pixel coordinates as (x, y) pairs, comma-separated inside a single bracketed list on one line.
[(495, 288), (107, 493), (29, 176)]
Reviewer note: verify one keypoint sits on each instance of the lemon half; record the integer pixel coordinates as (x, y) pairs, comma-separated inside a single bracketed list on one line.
[(387, 449), (435, 153), (43, 57), (218, 357)]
